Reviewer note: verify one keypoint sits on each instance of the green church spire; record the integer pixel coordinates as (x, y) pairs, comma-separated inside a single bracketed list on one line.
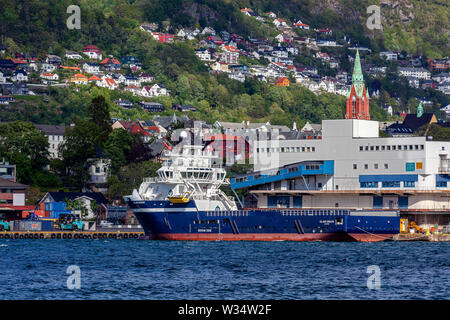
[(357, 77), (419, 110)]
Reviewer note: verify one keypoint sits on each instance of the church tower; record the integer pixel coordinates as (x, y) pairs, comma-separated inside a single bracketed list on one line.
[(357, 106)]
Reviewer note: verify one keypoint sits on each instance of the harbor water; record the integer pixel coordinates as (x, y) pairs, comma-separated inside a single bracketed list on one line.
[(137, 269)]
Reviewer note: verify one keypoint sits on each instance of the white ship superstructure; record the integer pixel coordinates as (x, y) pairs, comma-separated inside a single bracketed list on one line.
[(190, 173)]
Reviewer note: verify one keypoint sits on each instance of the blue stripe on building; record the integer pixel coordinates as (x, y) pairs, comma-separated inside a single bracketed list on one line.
[(388, 177)]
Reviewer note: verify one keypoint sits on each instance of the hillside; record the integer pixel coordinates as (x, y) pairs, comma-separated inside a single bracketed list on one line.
[(39, 27)]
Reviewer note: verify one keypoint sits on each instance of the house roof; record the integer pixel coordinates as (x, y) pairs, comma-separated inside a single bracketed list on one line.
[(61, 196), (51, 130), (414, 122), (4, 183)]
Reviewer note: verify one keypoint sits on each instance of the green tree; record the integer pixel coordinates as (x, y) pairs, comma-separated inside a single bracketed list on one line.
[(99, 115), (26, 147)]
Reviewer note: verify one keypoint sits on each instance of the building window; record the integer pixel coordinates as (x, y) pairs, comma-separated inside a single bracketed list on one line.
[(367, 148), (361, 148), (366, 166), (377, 148), (409, 184), (389, 148), (375, 166), (391, 184), (394, 148), (371, 148), (355, 166), (371, 184), (416, 147), (313, 149), (421, 147), (382, 148), (386, 166)]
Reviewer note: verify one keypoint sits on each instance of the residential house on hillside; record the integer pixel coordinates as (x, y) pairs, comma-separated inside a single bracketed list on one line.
[(19, 76), (389, 55), (55, 135), (203, 54), (48, 67), (419, 73), (301, 25), (92, 52), (230, 55), (145, 77), (151, 106), (91, 67), (48, 78), (53, 59), (282, 82), (131, 80), (157, 90), (73, 55), (79, 79), (124, 103), (280, 23), (110, 64)]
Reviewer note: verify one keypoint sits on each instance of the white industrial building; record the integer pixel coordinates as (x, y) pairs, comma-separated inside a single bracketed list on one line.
[(350, 166)]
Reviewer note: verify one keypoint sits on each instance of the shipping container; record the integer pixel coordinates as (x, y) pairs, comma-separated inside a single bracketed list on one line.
[(32, 225), (55, 206), (47, 225)]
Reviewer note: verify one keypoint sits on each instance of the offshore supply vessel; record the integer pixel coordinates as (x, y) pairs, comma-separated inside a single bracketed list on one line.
[(185, 202)]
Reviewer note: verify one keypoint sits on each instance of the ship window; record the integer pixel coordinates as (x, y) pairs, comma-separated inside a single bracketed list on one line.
[(375, 166), (383, 147), (361, 148), (366, 166), (394, 148), (371, 148), (377, 148), (355, 166), (367, 148), (389, 148), (421, 147)]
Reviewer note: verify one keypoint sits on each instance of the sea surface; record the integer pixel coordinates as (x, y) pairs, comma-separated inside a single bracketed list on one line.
[(142, 269)]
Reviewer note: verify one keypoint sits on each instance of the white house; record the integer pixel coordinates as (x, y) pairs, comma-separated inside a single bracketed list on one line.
[(49, 76), (157, 90), (2, 78), (47, 67), (73, 55), (389, 55), (280, 23), (420, 73), (203, 54), (91, 67), (19, 75)]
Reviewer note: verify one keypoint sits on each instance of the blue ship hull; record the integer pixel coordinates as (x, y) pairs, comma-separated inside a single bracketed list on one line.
[(164, 220)]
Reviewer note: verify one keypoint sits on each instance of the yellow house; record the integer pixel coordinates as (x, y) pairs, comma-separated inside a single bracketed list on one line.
[(79, 79), (282, 82)]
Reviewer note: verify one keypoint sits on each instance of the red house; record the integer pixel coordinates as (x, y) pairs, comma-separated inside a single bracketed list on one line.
[(229, 147)]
